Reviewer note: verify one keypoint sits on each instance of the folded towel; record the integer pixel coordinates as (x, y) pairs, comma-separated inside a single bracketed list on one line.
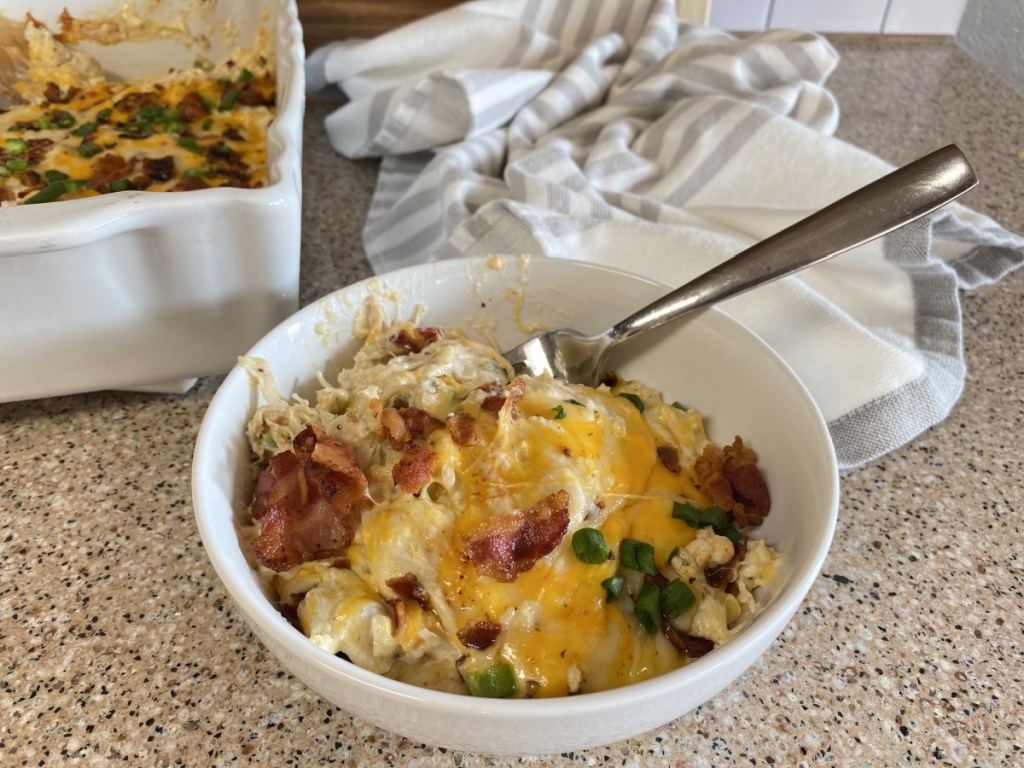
[(611, 132)]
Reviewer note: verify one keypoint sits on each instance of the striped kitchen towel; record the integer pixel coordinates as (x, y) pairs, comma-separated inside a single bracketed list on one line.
[(608, 131)]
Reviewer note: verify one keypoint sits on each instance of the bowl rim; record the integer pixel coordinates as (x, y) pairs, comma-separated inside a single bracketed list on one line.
[(260, 613)]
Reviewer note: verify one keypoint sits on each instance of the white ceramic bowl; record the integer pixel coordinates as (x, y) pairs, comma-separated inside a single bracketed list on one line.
[(710, 361), (149, 290)]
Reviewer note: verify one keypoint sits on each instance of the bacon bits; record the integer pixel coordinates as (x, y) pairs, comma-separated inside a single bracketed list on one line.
[(405, 425), (736, 484), (668, 455), (416, 467), (409, 587), (415, 339), (462, 428), (307, 502), (497, 395), (108, 168), (509, 545), (479, 634), (690, 646)]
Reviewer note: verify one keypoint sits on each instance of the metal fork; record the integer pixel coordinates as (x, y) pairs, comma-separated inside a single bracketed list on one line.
[(882, 206)]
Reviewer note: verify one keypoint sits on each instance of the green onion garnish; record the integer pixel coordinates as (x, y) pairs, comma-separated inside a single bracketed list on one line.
[(589, 546), (613, 586), (85, 129), (15, 146), (245, 76), (199, 172), (48, 193), (52, 176), (104, 114), (17, 164), (647, 607), (559, 412), (89, 149), (43, 123), (676, 598), (634, 399), (495, 682), (191, 145), (119, 185), (229, 99), (638, 555), (680, 406), (64, 119)]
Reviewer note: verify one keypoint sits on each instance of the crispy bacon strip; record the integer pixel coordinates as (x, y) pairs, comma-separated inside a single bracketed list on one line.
[(409, 587), (416, 467), (721, 576), (509, 545), (405, 425), (410, 340), (479, 634), (690, 646), (734, 481), (462, 428), (668, 455), (307, 502)]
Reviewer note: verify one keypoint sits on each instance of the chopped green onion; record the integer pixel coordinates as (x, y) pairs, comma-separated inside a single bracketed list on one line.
[(576, 402), (680, 406), (676, 598), (15, 146), (495, 682), (613, 587), (17, 165), (207, 104), (52, 176), (634, 399), (207, 123), (174, 126), (695, 517), (647, 607), (104, 114), (73, 185), (150, 112), (43, 123), (229, 99), (89, 149), (222, 149), (48, 193), (732, 535), (187, 142), (589, 546), (199, 172), (559, 412), (638, 555), (64, 119), (245, 76), (85, 129), (119, 185)]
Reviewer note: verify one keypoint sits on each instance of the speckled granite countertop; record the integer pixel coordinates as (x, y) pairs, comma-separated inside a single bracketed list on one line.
[(119, 646)]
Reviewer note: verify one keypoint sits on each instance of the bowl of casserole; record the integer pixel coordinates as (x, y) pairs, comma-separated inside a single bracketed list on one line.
[(710, 363), (114, 281)]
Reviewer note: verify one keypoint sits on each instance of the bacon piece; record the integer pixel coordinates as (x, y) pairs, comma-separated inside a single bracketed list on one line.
[(736, 484), (191, 107), (135, 101), (415, 339), (190, 183), (462, 428), (721, 576), (509, 545), (479, 634), (690, 646), (55, 95), (416, 467), (158, 168), (409, 587), (668, 455), (108, 168), (405, 425), (498, 395), (308, 502)]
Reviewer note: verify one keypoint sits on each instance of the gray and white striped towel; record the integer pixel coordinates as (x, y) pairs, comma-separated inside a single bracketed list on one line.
[(606, 130)]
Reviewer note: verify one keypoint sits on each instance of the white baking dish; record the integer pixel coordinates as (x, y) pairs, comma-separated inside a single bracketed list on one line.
[(149, 290)]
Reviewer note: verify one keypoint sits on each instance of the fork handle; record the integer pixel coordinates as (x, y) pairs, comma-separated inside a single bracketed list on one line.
[(889, 203)]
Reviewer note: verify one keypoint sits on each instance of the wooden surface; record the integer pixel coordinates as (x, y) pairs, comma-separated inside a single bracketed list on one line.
[(327, 20)]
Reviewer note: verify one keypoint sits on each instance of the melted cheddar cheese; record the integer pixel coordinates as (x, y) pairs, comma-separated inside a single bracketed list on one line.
[(559, 628), (82, 135)]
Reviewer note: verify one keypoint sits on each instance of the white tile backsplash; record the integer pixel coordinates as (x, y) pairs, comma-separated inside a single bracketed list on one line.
[(829, 15), (740, 15), (924, 17), (928, 17)]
